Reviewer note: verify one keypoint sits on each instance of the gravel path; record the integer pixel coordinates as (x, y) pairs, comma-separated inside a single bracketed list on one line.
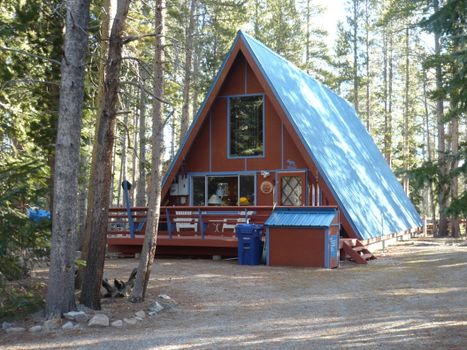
[(413, 297)]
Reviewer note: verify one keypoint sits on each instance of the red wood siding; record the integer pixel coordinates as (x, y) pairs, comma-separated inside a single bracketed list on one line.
[(296, 247)]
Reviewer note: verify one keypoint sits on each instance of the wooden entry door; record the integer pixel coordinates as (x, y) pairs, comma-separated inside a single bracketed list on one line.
[(292, 189)]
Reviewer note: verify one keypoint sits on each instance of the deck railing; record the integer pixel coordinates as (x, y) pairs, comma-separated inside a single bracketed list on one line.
[(179, 221)]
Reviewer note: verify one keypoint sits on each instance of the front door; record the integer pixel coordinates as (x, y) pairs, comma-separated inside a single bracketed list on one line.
[(292, 187)]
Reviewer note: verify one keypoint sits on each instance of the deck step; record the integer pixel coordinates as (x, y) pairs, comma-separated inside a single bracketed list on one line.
[(355, 251)]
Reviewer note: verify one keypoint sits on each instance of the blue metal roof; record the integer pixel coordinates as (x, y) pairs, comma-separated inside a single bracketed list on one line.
[(369, 194), (301, 217)]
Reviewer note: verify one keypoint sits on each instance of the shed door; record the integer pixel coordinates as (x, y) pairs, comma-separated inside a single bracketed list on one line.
[(292, 189)]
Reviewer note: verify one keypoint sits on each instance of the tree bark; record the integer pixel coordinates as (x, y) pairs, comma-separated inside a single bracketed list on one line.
[(150, 238), (141, 186), (428, 145), (92, 279), (104, 42), (61, 286), (367, 64), (455, 229), (355, 55), (443, 192), (406, 114), (187, 71)]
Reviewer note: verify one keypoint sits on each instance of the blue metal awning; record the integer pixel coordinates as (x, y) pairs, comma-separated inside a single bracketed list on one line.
[(301, 217)]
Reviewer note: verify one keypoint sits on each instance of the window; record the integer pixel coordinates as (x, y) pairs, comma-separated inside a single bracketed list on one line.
[(246, 126), (227, 190), (199, 190), (291, 190)]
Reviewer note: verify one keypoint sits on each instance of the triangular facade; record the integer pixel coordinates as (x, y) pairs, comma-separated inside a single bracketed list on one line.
[(269, 134)]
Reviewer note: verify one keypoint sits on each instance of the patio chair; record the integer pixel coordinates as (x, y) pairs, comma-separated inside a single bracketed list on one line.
[(185, 219), (244, 218)]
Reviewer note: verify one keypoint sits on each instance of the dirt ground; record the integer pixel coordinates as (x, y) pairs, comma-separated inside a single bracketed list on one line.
[(413, 297)]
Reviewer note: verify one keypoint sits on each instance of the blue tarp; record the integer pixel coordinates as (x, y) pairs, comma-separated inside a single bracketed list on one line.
[(37, 215), (369, 194)]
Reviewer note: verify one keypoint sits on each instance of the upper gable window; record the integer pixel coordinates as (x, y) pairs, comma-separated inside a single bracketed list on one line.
[(246, 121)]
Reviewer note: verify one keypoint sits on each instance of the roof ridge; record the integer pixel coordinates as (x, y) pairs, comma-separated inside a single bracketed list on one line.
[(305, 74)]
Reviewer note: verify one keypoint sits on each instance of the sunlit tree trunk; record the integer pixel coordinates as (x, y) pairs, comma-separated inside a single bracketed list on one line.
[(92, 279), (141, 186), (187, 71), (154, 201)]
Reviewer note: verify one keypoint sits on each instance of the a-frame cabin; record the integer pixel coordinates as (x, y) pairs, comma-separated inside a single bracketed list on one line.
[(269, 135)]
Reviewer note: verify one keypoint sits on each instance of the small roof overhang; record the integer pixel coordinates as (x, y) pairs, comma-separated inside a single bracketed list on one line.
[(301, 217)]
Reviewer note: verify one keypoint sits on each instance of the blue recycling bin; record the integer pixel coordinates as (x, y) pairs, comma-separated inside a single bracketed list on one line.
[(250, 246)]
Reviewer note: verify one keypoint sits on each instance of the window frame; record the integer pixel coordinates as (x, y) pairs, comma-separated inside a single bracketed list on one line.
[(206, 185), (263, 154)]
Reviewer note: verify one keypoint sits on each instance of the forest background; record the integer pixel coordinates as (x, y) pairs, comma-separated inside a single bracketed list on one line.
[(401, 63)]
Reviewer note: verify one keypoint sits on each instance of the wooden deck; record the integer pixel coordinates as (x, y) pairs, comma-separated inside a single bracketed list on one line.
[(183, 230)]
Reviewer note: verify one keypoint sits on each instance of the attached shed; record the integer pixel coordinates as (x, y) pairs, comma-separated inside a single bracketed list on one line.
[(303, 237)]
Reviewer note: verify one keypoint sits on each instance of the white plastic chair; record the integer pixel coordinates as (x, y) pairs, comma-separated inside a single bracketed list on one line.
[(231, 223), (185, 222)]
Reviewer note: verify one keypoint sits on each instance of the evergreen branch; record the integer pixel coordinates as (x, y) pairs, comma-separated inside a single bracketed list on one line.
[(141, 87), (28, 80), (131, 38), (51, 60)]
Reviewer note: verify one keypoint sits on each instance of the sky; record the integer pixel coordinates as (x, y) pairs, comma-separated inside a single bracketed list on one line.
[(334, 11)]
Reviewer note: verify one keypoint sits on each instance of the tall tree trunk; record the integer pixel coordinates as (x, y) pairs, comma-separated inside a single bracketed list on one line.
[(196, 61), (443, 192), (92, 279), (428, 145), (141, 186), (455, 230), (387, 145), (61, 287), (150, 238), (367, 64), (104, 45), (355, 55), (133, 154), (406, 114), (112, 174), (185, 122), (390, 97), (123, 160), (307, 41)]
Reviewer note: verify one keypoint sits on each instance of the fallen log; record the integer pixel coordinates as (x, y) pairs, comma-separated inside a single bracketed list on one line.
[(120, 289)]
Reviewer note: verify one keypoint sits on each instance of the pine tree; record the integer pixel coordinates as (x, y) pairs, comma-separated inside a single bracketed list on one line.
[(61, 287)]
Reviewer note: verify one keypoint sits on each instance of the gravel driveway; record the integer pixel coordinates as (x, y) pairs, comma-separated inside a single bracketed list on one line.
[(413, 297)]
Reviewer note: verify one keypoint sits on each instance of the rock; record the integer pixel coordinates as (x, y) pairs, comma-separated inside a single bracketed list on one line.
[(85, 309), (15, 329), (140, 314), (6, 325), (99, 320), (117, 323), (78, 316), (52, 324), (130, 321), (166, 301), (68, 325), (155, 308), (139, 318), (35, 329)]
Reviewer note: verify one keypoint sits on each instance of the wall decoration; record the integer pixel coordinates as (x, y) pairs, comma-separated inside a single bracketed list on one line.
[(266, 187)]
